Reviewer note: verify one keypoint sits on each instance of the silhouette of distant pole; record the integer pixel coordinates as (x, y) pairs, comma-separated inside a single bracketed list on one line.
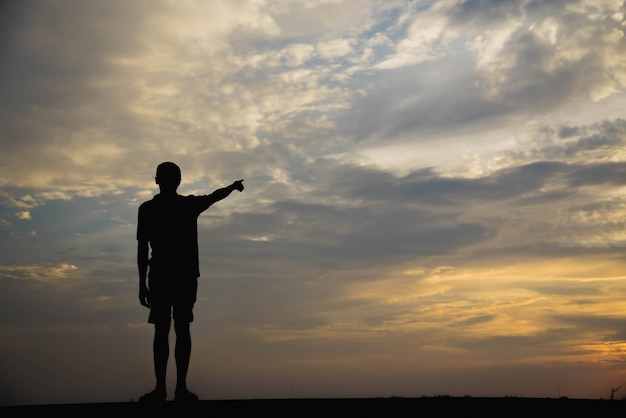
[(615, 389)]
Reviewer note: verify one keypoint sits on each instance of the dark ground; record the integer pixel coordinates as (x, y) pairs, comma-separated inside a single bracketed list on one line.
[(509, 407)]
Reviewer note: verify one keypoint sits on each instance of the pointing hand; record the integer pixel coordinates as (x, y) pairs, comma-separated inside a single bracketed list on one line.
[(238, 185)]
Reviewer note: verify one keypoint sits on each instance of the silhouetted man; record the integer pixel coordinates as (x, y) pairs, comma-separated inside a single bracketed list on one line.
[(167, 224)]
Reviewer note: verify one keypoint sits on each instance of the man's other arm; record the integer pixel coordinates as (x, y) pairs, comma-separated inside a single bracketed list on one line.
[(142, 265)]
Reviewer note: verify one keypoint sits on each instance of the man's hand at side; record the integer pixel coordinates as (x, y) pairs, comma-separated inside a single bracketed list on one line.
[(144, 296)]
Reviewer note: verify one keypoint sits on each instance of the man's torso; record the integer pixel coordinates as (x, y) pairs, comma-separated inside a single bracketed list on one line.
[(169, 224)]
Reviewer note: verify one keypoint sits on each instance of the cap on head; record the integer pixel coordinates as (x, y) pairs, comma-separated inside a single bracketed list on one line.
[(168, 172)]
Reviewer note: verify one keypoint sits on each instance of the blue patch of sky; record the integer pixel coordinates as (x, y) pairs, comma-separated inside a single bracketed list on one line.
[(67, 216), (386, 25), (79, 231), (386, 22), (7, 214), (248, 46)]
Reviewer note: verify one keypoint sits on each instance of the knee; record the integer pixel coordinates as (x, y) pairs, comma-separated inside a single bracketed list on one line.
[(181, 328)]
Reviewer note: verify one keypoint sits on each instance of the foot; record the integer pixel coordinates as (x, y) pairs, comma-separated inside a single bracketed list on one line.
[(185, 396), (156, 396)]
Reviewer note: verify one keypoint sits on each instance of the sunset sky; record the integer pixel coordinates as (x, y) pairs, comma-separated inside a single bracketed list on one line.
[(435, 197)]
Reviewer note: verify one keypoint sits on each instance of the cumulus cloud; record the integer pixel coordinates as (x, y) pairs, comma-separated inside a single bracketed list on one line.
[(565, 51)]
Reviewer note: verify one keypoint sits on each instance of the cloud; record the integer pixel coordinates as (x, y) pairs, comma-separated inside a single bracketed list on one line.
[(42, 273), (425, 39), (25, 215), (562, 51), (411, 169)]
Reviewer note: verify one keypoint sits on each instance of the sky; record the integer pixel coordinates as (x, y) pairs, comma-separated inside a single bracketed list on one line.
[(434, 203)]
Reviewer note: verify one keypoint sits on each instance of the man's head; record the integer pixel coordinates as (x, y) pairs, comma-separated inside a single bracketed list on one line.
[(168, 176)]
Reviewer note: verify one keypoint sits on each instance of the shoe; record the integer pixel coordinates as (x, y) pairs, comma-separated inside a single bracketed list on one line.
[(185, 396), (156, 396)]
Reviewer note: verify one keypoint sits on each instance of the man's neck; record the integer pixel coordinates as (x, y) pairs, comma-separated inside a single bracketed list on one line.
[(168, 193)]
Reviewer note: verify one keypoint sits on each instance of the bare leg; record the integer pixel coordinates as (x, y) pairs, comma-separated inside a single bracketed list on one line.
[(182, 353), (161, 349)]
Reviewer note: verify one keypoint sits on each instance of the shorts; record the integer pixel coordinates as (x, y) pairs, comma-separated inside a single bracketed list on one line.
[(171, 298)]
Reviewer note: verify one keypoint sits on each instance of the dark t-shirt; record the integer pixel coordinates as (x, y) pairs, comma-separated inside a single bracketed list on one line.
[(170, 225)]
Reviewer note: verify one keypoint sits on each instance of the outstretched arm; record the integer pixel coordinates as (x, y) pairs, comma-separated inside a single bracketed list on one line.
[(224, 192)]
